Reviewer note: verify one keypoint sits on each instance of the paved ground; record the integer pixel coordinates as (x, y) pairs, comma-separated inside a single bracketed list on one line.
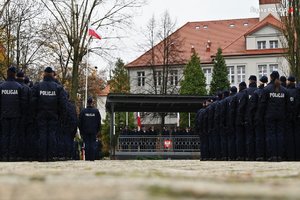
[(148, 179)]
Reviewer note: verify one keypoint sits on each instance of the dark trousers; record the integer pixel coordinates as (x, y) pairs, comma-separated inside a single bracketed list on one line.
[(274, 137), (231, 144), (211, 145), (260, 141), (217, 144), (240, 142), (297, 141), (47, 138), (89, 146), (250, 142), (290, 141), (204, 148), (9, 138), (224, 143)]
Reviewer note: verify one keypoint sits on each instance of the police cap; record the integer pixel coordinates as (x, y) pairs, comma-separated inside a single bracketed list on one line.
[(252, 78), (275, 75), (292, 79), (48, 70), (263, 79), (20, 74), (12, 69)]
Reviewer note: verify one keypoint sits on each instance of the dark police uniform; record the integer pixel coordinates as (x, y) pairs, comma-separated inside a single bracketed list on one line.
[(12, 103), (223, 126), (230, 124), (49, 103), (69, 129), (257, 121), (249, 129), (25, 137), (211, 130), (291, 126), (273, 106), (241, 103), (89, 126)]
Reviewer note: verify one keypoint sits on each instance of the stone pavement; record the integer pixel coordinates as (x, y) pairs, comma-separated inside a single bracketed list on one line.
[(149, 179)]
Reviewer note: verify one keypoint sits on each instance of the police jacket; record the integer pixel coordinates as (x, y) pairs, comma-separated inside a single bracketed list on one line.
[(48, 99), (224, 109), (12, 99), (241, 103), (293, 101), (89, 121), (217, 116), (249, 93), (253, 117), (273, 104), (205, 121), (231, 111), (210, 119), (27, 98), (71, 119)]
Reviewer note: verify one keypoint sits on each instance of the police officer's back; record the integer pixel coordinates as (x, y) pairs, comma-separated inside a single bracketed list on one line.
[(89, 125), (48, 105), (11, 106)]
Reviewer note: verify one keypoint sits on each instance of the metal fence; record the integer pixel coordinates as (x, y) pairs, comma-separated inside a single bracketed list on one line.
[(187, 143)]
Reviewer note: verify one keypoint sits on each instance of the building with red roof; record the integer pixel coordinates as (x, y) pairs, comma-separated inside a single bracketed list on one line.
[(251, 46)]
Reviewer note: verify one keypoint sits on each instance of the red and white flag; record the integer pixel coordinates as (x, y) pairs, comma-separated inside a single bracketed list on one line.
[(93, 33), (139, 121)]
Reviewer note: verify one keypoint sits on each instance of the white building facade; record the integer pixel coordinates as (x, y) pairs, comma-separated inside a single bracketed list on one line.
[(253, 46)]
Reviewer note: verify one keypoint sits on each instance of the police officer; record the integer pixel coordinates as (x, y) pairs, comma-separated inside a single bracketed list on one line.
[(240, 122), (249, 129), (200, 129), (12, 103), (291, 136), (70, 128), (89, 125), (273, 105), (223, 125), (257, 121), (217, 126), (24, 137), (230, 124), (283, 81), (49, 104)]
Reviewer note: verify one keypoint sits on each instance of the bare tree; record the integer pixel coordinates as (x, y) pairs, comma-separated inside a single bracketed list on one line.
[(74, 18), (291, 31), (162, 56), (2, 8), (21, 33)]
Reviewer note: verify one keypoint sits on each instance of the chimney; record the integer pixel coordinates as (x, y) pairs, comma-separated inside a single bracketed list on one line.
[(267, 7), (193, 51), (208, 45)]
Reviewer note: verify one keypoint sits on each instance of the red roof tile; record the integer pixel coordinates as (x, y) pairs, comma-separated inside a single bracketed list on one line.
[(226, 34), (193, 34)]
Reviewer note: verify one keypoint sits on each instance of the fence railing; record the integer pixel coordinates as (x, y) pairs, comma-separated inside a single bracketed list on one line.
[(134, 143)]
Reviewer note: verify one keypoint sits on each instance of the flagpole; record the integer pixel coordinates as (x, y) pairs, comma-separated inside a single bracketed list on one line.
[(86, 69)]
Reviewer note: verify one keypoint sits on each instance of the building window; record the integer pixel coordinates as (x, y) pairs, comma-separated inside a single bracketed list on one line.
[(141, 78), (273, 67), (158, 78), (261, 45), (273, 44), (207, 74), (174, 77), (262, 70), (231, 75), (241, 73)]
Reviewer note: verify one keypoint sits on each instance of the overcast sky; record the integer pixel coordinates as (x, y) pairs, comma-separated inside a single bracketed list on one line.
[(183, 12)]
